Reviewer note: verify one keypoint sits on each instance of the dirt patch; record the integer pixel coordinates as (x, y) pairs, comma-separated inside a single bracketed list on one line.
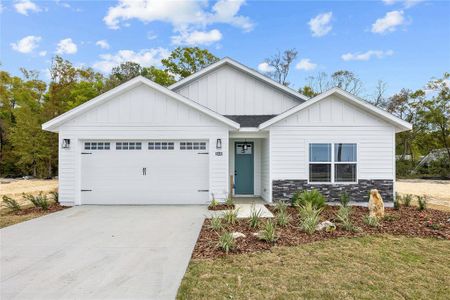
[(221, 207), (407, 221), (437, 191), (15, 187), (11, 218)]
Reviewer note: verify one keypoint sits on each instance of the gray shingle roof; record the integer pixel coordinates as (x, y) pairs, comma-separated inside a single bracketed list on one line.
[(250, 121)]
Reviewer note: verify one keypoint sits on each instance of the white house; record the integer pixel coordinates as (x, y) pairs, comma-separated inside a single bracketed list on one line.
[(226, 129)]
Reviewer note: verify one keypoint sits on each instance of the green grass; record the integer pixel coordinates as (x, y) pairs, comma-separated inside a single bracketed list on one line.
[(372, 267)]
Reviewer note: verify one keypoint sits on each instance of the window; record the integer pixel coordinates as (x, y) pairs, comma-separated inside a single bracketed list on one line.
[(192, 145), (128, 146), (161, 145), (97, 146), (332, 164)]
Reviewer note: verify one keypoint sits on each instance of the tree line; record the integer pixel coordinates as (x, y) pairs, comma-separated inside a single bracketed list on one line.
[(27, 102)]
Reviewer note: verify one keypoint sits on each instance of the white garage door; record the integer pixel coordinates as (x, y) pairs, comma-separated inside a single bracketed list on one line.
[(144, 172)]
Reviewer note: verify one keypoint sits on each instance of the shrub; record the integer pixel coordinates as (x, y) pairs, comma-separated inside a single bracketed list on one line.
[(343, 216), (226, 242), (39, 201), (216, 223), (344, 199), (390, 218), (55, 196), (214, 202), (281, 206), (371, 221), (440, 167), (268, 233), (422, 202), (397, 201), (282, 218), (230, 200), (230, 216), (11, 203), (314, 197), (407, 200), (255, 216), (309, 217)]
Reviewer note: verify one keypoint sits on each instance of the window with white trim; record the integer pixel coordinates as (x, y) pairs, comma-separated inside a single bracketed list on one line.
[(97, 146), (192, 145), (128, 145), (332, 163), (161, 145)]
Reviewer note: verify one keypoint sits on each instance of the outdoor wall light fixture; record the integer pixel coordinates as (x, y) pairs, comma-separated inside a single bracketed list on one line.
[(66, 143), (219, 144)]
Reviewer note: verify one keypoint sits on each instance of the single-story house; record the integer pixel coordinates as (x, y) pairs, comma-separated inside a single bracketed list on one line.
[(225, 129)]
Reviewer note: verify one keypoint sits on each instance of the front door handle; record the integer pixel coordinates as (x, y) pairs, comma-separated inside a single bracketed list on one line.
[(144, 171), (235, 173)]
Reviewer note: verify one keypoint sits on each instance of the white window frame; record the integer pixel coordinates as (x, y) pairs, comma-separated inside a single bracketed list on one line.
[(333, 162)]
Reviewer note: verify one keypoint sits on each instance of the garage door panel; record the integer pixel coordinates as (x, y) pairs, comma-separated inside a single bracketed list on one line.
[(171, 176)]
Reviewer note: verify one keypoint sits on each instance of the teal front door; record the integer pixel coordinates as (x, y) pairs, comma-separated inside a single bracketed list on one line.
[(243, 168)]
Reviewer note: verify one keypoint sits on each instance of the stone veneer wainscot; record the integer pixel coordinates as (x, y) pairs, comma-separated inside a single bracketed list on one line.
[(282, 190)]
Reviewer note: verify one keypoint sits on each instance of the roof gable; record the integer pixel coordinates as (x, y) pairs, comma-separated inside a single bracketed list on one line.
[(241, 68), (55, 123), (362, 105)]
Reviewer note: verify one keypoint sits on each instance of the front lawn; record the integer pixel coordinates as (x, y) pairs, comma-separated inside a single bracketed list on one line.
[(368, 267)]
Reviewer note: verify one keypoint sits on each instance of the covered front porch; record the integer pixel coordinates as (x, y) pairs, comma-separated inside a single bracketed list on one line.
[(249, 166)]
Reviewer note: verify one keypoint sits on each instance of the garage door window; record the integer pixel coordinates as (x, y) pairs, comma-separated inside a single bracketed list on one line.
[(161, 146), (96, 146), (128, 146), (193, 146)]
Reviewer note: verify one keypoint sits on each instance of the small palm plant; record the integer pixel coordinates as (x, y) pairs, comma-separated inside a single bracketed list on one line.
[(229, 201), (11, 203), (216, 223), (422, 202), (255, 217), (268, 233), (226, 242), (283, 218), (407, 200), (309, 217), (371, 221), (230, 216), (214, 202)]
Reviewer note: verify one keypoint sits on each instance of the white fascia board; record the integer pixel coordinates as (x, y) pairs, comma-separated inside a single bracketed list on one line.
[(400, 124), (242, 68), (53, 124)]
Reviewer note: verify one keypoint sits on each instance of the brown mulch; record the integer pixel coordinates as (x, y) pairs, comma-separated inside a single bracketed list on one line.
[(221, 207), (52, 208), (408, 221)]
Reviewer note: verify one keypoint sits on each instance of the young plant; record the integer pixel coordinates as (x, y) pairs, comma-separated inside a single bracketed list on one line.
[(55, 196), (255, 216), (422, 202), (371, 221), (397, 201), (344, 199), (216, 223), (314, 197), (230, 200), (39, 201), (230, 216), (226, 242), (281, 206), (268, 233), (407, 200), (343, 216), (309, 217), (282, 218), (214, 202), (11, 203)]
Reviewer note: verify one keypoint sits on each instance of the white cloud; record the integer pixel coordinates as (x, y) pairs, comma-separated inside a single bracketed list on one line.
[(320, 24), (146, 57), (181, 14), (24, 6), (42, 53), (102, 44), (66, 46), (406, 3), (197, 37), (389, 22), (27, 44), (265, 67), (366, 55), (306, 64)]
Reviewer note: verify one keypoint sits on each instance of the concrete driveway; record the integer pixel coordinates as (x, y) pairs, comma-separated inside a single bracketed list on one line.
[(118, 252)]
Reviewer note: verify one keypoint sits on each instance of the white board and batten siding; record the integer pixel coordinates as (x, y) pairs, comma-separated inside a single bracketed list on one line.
[(140, 114), (229, 91), (332, 120)]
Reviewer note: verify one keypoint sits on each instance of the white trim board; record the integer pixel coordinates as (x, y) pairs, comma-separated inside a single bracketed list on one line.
[(243, 69), (54, 124), (399, 124)]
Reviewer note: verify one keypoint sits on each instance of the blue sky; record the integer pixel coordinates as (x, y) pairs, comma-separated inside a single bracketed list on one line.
[(403, 42)]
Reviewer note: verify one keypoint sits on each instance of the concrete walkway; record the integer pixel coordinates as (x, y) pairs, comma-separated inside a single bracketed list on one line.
[(244, 211), (98, 252)]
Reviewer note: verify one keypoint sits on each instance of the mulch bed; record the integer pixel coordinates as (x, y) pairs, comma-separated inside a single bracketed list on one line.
[(221, 207), (408, 221), (52, 208)]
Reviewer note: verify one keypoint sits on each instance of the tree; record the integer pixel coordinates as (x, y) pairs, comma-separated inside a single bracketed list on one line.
[(183, 62), (307, 91), (280, 63), (379, 98), (159, 76), (343, 79)]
